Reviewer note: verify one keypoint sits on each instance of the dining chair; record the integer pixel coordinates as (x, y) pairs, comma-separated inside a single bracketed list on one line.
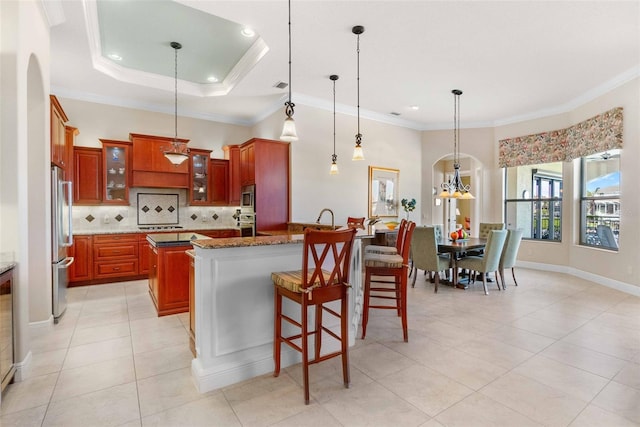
[(389, 250), (509, 255), (483, 233), (395, 266), (424, 254), (353, 222), (324, 278), (489, 261)]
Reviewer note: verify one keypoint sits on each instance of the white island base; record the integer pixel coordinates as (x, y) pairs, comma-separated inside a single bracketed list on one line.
[(234, 308)]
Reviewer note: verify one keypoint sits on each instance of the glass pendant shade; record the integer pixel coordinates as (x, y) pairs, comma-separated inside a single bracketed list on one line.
[(175, 157), (358, 154), (289, 130), (334, 169)]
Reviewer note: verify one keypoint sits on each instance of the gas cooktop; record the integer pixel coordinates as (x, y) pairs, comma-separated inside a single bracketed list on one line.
[(160, 227)]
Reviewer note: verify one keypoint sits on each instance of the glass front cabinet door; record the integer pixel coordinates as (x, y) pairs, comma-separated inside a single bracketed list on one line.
[(116, 170), (199, 191)]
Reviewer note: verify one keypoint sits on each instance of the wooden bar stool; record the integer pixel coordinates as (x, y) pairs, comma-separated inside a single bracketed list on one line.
[(395, 266), (353, 222), (324, 278), (389, 250)]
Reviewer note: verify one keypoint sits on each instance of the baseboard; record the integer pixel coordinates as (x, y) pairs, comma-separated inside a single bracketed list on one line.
[(600, 280), (41, 323), (23, 368)]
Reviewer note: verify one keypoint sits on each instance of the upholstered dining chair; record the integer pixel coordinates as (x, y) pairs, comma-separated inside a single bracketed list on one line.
[(353, 222), (483, 233), (489, 261), (424, 254), (509, 255), (395, 266), (324, 278), (389, 250)]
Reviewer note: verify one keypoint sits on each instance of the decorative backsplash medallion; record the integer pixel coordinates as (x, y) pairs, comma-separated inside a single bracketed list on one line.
[(158, 209)]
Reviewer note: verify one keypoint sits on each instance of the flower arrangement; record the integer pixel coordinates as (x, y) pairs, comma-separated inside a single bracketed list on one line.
[(408, 205)]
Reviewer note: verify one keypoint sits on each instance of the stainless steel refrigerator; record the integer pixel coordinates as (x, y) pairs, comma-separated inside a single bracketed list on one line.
[(61, 239)]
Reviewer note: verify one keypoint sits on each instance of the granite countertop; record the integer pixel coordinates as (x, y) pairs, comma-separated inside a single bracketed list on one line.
[(6, 266), (136, 229), (241, 242)]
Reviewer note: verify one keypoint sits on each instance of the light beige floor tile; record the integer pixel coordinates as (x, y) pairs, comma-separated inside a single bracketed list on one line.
[(210, 411), (615, 321), (377, 361), (520, 338), (444, 333), (425, 389), (266, 400), (315, 416), (100, 333), (573, 381), (47, 362), (92, 319), (88, 354), (163, 360), (374, 406), (541, 403), (113, 406), (584, 358), (45, 340), (90, 378), (165, 391), (617, 344), (551, 328), (592, 416), (629, 375), (621, 400), (420, 348), (478, 410), (432, 423), (30, 393), (158, 323), (464, 368), (493, 351), (25, 418), (154, 339)]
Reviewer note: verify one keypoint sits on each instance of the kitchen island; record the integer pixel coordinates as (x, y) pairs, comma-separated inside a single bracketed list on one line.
[(234, 305)]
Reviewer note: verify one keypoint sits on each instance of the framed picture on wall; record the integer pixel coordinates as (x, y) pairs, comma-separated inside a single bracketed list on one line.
[(383, 191)]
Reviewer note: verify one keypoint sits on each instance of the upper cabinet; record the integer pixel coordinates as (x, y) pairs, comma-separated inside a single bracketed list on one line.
[(248, 163), (219, 182), (232, 154), (59, 151), (87, 176), (151, 168), (116, 164), (199, 189)]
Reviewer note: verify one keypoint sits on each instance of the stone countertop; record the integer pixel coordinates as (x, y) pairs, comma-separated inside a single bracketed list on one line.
[(136, 229), (6, 266)]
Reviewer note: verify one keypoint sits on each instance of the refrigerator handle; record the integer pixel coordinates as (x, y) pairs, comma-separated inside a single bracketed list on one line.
[(68, 263), (69, 186)]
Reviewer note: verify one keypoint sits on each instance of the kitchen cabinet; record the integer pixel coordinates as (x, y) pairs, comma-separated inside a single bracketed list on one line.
[(116, 165), (115, 256), (7, 367), (59, 152), (87, 176), (232, 154), (220, 233), (199, 179), (150, 168), (265, 163), (143, 254), (82, 253), (219, 182), (70, 133)]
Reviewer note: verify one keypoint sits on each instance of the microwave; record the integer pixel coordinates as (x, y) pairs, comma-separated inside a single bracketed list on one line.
[(247, 196)]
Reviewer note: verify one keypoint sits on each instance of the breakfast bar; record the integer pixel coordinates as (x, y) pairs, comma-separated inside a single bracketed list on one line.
[(234, 305)]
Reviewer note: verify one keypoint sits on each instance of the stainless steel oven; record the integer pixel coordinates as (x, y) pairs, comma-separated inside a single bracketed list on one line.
[(247, 198), (247, 224)]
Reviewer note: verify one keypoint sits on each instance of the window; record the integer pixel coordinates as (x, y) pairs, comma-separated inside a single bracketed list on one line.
[(600, 200), (533, 200)]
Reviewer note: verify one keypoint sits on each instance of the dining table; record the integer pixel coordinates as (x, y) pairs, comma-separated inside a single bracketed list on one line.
[(457, 247)]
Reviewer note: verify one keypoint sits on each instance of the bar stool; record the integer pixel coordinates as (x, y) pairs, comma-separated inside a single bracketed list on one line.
[(395, 266), (324, 277), (353, 222), (389, 250)]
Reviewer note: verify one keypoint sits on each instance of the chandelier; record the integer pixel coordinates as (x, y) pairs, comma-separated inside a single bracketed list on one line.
[(455, 189), (177, 154), (334, 157), (289, 128)]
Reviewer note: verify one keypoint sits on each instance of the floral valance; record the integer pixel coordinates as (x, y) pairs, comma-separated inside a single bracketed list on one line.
[(600, 133)]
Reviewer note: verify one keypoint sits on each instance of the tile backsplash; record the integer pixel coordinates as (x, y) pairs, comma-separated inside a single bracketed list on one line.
[(159, 204)]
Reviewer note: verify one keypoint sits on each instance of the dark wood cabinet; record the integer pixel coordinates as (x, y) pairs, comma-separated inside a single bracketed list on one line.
[(82, 253), (115, 256), (169, 279), (143, 254), (199, 177), (150, 168), (87, 176), (220, 233), (116, 165), (59, 150), (219, 181), (265, 163), (232, 154)]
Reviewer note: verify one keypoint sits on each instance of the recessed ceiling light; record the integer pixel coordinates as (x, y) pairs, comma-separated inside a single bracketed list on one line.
[(415, 107), (212, 79), (115, 57), (247, 32)]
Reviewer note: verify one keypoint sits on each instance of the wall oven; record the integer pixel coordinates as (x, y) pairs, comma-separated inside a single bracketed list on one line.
[(247, 224), (247, 198)]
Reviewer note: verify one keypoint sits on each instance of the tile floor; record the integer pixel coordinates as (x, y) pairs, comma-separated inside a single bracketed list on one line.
[(556, 351)]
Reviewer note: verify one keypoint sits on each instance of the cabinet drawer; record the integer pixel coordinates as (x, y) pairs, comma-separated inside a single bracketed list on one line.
[(115, 269), (124, 250)]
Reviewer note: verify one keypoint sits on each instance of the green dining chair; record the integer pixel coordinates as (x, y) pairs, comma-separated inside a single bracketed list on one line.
[(424, 252), (489, 261), (509, 255)]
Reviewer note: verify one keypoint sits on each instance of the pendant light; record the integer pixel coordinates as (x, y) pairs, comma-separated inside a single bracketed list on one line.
[(176, 155), (455, 189), (334, 165), (289, 128), (357, 150)]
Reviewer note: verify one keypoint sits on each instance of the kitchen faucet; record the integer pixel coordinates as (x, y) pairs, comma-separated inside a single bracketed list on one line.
[(323, 211)]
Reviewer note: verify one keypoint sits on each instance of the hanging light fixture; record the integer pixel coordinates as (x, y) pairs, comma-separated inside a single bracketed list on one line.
[(455, 189), (289, 128), (334, 165), (357, 150), (177, 154)]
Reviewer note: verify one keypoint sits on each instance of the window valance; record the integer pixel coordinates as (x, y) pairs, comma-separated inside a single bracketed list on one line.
[(600, 133)]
